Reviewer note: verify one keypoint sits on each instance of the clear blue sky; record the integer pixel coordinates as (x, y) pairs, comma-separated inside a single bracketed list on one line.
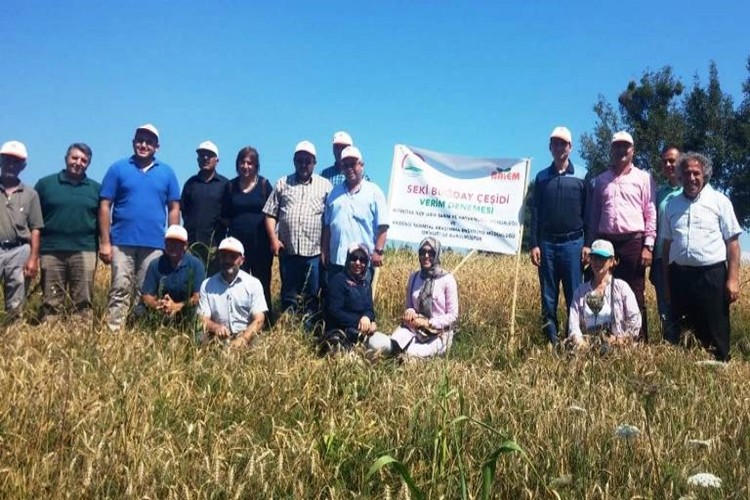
[(472, 78)]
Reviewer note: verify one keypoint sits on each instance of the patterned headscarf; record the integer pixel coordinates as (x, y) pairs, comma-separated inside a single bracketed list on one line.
[(357, 248), (429, 275)]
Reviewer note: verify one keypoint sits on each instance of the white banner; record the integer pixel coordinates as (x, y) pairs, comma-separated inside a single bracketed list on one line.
[(465, 202)]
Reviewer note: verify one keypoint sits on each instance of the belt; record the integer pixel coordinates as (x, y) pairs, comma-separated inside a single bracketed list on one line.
[(621, 238), (562, 237), (8, 244)]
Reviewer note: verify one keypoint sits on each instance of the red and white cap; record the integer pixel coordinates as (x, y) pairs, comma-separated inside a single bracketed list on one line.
[(150, 128), (208, 146), (622, 136), (342, 138), (176, 232), (562, 133), (306, 147), (351, 152), (14, 148), (232, 245)]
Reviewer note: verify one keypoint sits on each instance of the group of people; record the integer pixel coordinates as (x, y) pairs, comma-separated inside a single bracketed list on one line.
[(329, 231), (231, 230), (619, 224)]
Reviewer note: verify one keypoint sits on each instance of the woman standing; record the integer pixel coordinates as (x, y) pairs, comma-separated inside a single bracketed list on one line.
[(604, 305), (242, 213)]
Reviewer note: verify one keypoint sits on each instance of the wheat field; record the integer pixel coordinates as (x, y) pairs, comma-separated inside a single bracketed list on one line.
[(147, 414)]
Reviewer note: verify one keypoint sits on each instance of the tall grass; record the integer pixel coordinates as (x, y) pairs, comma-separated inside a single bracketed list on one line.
[(89, 414)]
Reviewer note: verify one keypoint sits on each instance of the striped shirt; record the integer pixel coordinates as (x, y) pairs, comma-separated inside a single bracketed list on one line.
[(298, 208)]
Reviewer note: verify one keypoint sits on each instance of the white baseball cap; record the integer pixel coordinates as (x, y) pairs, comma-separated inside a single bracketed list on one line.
[(208, 146), (351, 152), (232, 245), (176, 232), (342, 137), (622, 136), (603, 248), (150, 128), (562, 133), (307, 147), (14, 148)]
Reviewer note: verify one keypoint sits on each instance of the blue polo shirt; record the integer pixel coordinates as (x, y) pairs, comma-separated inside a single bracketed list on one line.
[(139, 202), (179, 282), (354, 217)]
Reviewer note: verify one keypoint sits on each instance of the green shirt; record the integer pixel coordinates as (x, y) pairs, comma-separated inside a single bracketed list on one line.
[(70, 213), (663, 196), (19, 214)]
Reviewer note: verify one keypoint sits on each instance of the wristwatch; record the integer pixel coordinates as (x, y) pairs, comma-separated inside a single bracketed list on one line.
[(378, 251)]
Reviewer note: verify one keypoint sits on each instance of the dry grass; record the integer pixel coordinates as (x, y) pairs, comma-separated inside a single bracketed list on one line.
[(85, 413)]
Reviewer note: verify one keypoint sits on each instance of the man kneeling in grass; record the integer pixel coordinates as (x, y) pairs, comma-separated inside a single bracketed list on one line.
[(232, 305), (170, 289)]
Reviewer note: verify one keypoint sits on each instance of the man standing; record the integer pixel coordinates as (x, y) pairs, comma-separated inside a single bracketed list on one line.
[(623, 212), (702, 251), (201, 205), (669, 324), (232, 304), (142, 194), (295, 208), (70, 203), (173, 281), (355, 212), (20, 224), (559, 229)]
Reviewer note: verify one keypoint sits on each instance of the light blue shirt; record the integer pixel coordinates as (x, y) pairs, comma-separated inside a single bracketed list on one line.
[(232, 304), (699, 228), (354, 217)]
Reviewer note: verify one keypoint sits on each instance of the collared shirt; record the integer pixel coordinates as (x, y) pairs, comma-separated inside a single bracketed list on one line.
[(624, 315), (699, 228), (335, 176), (232, 304), (20, 213), (559, 203), (663, 195), (139, 201), (624, 204), (70, 213), (298, 208), (201, 209), (179, 282), (354, 217)]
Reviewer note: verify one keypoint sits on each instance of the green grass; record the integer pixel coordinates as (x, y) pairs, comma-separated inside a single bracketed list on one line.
[(88, 414)]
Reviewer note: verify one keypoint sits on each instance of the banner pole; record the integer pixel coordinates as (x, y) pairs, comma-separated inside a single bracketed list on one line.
[(514, 301), (463, 261)]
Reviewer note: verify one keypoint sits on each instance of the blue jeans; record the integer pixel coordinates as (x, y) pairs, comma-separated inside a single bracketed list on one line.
[(560, 262), (300, 282), (670, 326)]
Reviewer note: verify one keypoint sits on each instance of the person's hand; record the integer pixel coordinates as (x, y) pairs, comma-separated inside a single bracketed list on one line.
[(646, 257), (536, 256), (585, 252), (222, 332), (276, 246), (105, 253), (409, 315), (169, 306), (364, 324), (376, 259), (239, 342), (31, 267), (733, 290), (373, 328)]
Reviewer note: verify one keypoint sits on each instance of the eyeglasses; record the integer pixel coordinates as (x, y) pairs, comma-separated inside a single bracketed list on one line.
[(359, 258), (147, 140), (424, 252), (350, 164)]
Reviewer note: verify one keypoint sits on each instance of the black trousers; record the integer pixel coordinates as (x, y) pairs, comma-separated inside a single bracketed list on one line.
[(700, 301)]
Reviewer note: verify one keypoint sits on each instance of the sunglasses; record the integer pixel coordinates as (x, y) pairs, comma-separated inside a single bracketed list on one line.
[(424, 252), (359, 258)]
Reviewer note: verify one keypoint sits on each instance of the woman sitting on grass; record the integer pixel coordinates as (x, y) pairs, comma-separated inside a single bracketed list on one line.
[(604, 305), (349, 313), (431, 310)]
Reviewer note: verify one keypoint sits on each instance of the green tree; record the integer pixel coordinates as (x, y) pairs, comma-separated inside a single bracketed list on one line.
[(656, 113)]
